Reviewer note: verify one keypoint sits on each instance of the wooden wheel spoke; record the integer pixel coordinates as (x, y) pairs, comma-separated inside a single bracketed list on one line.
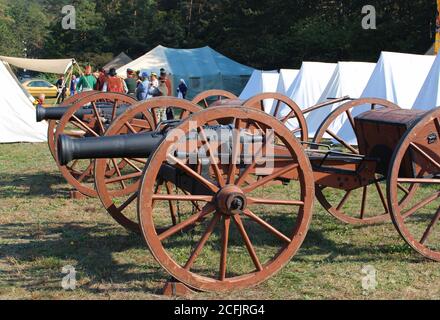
[(401, 187), (419, 180), (130, 127), (342, 141), (198, 249), (188, 222), (83, 126), (267, 226), (288, 117), (271, 177), (364, 202), (252, 201), (192, 173), (425, 155), (86, 172), (224, 250), (260, 152), (350, 119), (344, 200), (214, 163), (382, 196), (247, 242), (98, 117), (173, 207), (177, 197), (236, 148), (277, 108), (131, 164), (421, 204), (128, 202), (118, 171), (124, 177), (431, 226)]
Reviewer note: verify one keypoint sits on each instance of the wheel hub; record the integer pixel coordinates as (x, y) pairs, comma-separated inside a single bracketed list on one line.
[(231, 200)]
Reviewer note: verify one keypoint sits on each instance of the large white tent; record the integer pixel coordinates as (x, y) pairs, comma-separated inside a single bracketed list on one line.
[(201, 68), (287, 76), (429, 96), (349, 79), (310, 83), (261, 82), (17, 121), (398, 77)]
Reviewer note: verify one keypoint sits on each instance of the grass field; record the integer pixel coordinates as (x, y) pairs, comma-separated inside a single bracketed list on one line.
[(42, 230)]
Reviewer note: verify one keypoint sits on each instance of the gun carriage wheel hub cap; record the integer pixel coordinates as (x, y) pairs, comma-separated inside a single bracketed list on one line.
[(231, 200)]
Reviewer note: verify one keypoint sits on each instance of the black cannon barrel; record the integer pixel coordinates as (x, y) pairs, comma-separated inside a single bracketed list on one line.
[(124, 146), (56, 113)]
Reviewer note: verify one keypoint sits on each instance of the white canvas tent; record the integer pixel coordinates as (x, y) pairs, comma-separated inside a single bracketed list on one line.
[(287, 76), (310, 83), (261, 82), (201, 68), (398, 77), (17, 121), (57, 66), (429, 96), (349, 79)]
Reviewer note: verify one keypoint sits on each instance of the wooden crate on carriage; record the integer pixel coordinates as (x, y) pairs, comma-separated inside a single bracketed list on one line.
[(379, 132)]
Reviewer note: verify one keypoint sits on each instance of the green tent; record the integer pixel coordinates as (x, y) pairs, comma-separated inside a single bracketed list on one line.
[(202, 69)]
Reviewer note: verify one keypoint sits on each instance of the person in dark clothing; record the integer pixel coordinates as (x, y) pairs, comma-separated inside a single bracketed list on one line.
[(182, 90), (131, 82), (61, 86)]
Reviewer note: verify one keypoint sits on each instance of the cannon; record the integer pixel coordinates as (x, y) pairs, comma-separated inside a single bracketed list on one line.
[(90, 114), (200, 204)]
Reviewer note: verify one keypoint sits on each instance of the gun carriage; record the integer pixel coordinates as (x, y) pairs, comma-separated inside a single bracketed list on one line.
[(199, 190)]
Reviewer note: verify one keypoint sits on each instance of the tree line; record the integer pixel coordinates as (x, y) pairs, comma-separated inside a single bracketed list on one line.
[(268, 34)]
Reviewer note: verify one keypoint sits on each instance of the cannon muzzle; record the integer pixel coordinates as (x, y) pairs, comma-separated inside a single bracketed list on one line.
[(124, 146)]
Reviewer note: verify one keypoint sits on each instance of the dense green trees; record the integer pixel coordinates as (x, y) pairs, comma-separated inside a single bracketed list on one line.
[(265, 34)]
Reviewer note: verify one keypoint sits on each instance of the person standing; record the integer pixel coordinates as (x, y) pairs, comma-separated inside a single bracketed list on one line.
[(114, 83), (102, 78), (143, 86), (61, 89), (131, 82), (87, 82), (164, 76), (153, 90), (182, 89), (73, 85)]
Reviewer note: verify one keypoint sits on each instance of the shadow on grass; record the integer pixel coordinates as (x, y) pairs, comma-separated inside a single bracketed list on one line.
[(90, 248), (32, 185)]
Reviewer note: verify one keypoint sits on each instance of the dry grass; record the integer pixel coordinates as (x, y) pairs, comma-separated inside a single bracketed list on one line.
[(42, 230)]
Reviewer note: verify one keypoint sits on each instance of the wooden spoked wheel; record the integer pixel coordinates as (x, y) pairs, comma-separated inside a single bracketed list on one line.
[(282, 108), (118, 193), (416, 161), (342, 204), (52, 124), (206, 98), (230, 234), (79, 173)]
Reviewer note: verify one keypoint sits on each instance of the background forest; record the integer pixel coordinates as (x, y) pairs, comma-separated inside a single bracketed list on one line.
[(267, 34)]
